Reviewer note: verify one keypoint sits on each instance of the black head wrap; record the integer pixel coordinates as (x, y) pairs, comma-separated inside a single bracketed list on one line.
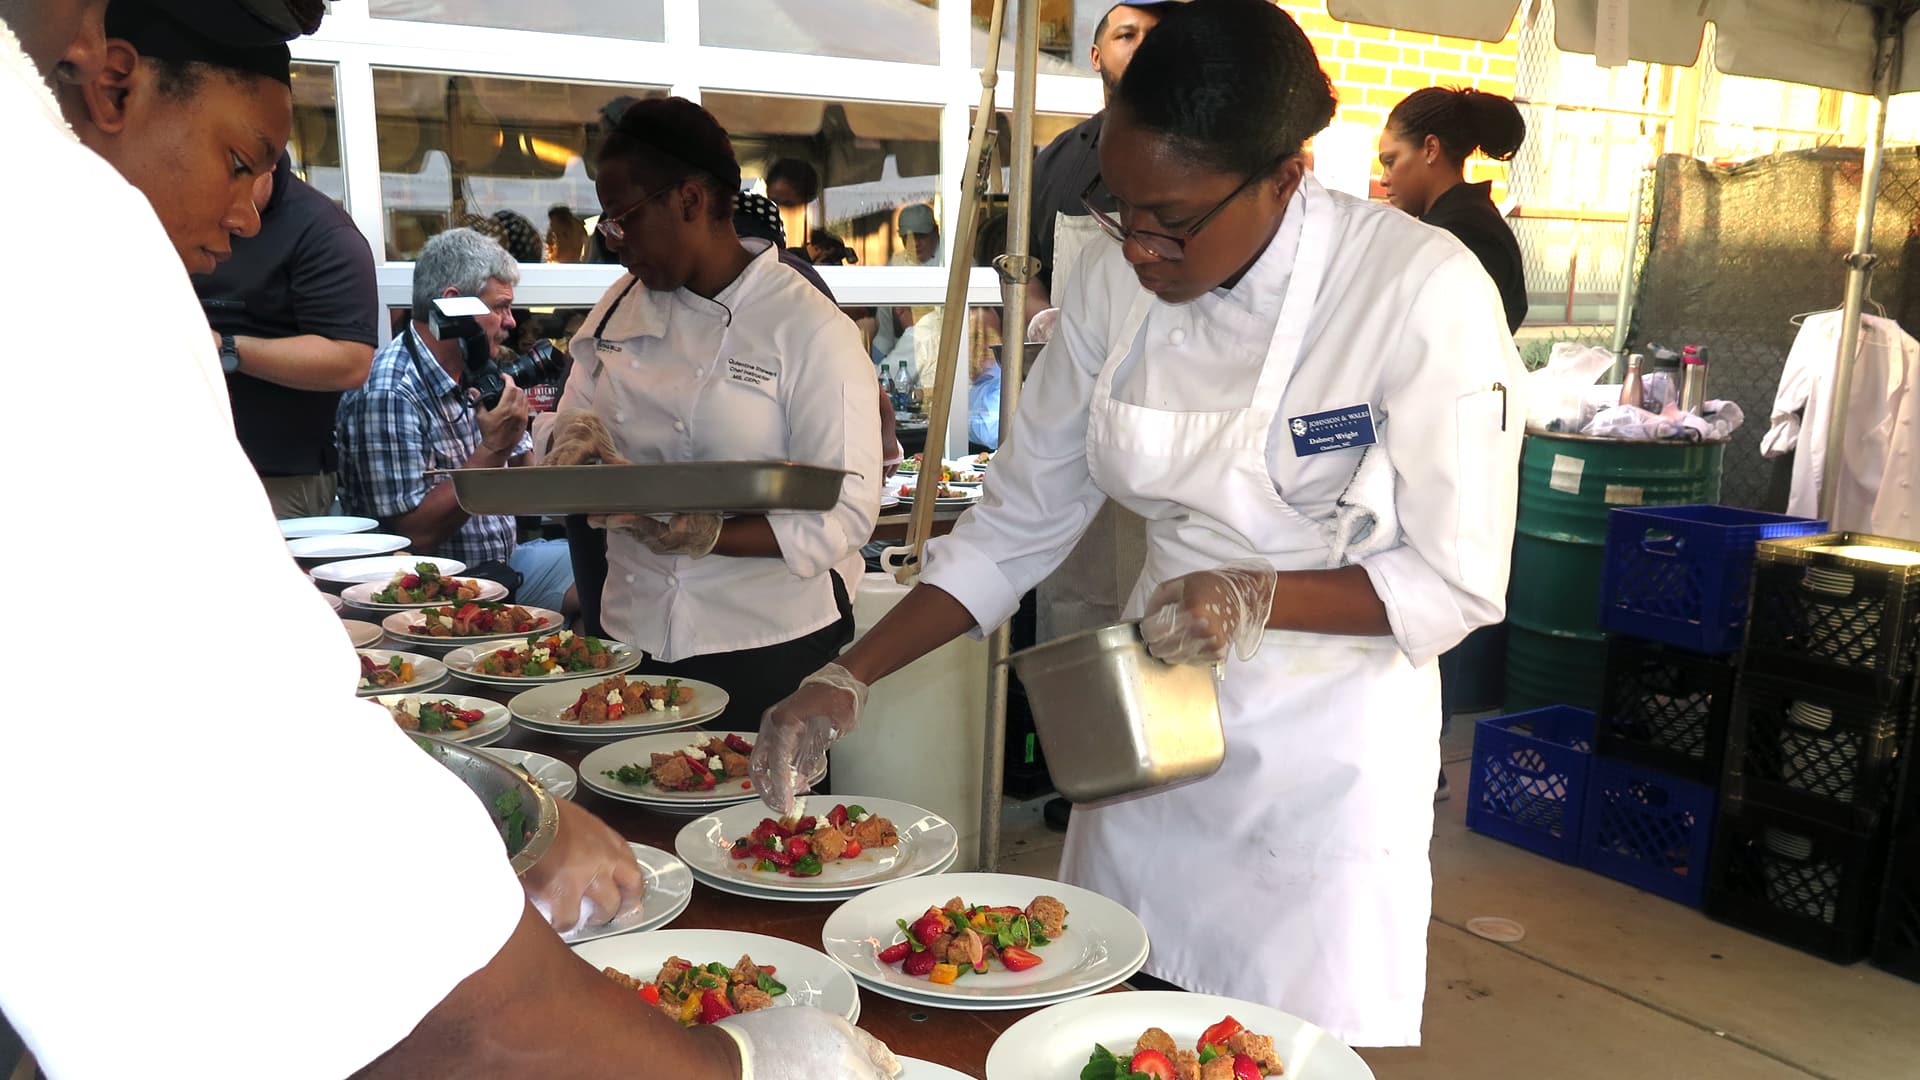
[(240, 35)]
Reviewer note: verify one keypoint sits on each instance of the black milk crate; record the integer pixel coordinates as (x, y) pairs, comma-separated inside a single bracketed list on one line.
[(1837, 620), (1896, 939), (1666, 708), (1817, 752), (1798, 881)]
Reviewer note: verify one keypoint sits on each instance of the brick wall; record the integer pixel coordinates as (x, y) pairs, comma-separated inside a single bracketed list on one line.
[(1372, 68)]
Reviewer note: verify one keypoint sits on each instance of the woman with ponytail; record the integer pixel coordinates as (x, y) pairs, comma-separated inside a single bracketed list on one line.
[(1423, 156)]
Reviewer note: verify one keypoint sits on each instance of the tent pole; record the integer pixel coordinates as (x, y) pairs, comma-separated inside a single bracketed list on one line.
[(1859, 274), (1015, 270), (1622, 309)]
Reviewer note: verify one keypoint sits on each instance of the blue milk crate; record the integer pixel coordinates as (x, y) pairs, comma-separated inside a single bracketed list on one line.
[(1649, 829), (1681, 574), (1529, 779)]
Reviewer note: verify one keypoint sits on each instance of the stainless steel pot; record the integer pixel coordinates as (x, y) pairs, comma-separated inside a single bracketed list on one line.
[(1113, 720)]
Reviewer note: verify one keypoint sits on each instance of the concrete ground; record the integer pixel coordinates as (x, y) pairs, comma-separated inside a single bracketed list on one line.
[(1609, 983)]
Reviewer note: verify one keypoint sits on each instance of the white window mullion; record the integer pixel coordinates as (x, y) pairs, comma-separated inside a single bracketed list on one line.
[(360, 150)]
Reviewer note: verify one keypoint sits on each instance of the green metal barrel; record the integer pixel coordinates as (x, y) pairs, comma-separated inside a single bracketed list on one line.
[(1556, 652)]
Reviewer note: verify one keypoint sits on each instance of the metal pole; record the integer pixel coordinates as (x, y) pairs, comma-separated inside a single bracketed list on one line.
[(1623, 303), (1859, 274), (1015, 270)]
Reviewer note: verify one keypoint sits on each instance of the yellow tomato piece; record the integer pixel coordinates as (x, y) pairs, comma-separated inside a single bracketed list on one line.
[(690, 1009), (944, 974), (406, 671)]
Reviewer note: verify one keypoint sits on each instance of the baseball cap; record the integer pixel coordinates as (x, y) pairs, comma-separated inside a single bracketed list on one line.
[(917, 219)]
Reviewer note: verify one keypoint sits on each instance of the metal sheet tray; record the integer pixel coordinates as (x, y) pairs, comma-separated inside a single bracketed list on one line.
[(722, 487)]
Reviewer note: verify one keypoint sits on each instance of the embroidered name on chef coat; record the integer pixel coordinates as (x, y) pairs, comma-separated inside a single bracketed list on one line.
[(1335, 429), (742, 371)]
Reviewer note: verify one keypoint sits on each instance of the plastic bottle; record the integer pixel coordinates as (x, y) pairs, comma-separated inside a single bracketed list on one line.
[(1632, 391), (1693, 390), (904, 385), (887, 384)]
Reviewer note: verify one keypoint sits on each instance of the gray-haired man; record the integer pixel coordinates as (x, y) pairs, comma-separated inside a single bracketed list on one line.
[(413, 416)]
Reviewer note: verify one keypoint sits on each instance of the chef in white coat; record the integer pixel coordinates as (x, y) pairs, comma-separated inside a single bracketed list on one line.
[(1221, 368)]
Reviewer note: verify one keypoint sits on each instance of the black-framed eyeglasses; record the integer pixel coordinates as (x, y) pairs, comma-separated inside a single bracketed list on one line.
[(1164, 246), (613, 227)]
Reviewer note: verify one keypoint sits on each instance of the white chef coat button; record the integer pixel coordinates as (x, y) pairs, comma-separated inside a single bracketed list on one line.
[(629, 579), (636, 361), (1176, 336), (619, 418), (679, 426), (673, 579), (698, 372)]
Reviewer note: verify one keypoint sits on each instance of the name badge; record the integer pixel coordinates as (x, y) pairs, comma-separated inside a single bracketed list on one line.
[(1335, 429), (743, 371)]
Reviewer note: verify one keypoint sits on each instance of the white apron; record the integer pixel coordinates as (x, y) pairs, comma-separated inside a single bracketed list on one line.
[(1296, 876)]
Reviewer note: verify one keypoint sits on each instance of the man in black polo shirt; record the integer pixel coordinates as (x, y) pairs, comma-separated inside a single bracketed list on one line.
[(296, 309)]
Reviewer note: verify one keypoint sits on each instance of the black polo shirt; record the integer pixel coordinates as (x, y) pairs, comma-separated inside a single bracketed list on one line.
[(1467, 211), (309, 271), (1060, 173)]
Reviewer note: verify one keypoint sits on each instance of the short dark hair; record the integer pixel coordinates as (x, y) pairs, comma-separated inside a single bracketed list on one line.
[(672, 140), (802, 176), (1463, 119), (1234, 84)]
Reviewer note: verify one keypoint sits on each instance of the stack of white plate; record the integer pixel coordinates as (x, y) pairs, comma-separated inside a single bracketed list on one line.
[(491, 728), (640, 751), (964, 495), (464, 660), (428, 673), (541, 708), (551, 773), (1102, 946), (669, 891), (364, 635), (929, 844), (302, 527), (318, 549), (810, 977), (335, 576)]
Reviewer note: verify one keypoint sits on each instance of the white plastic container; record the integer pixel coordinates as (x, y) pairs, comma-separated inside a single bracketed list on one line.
[(920, 738)]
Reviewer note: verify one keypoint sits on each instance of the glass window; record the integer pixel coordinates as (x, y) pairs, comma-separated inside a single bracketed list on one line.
[(315, 145), (1066, 35), (510, 157), (639, 20), (872, 163), (907, 31)]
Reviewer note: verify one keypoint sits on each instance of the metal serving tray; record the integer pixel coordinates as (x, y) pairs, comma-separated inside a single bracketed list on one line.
[(713, 487), (491, 781)]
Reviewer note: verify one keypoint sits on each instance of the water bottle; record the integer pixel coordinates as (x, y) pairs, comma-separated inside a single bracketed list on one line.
[(1693, 390), (903, 386), (886, 384), (1632, 391)]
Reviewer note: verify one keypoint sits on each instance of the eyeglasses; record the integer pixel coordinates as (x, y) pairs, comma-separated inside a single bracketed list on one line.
[(1163, 246), (611, 225)]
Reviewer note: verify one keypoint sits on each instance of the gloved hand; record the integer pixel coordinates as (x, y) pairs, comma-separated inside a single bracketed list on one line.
[(1192, 619), (588, 877), (579, 437), (692, 535), (803, 1043), (795, 734)]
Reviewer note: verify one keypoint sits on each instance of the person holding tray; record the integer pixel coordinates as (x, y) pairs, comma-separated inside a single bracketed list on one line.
[(710, 348)]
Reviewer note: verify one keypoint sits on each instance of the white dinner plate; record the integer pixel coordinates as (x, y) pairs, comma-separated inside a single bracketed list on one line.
[(354, 571), (333, 601), (364, 635), (889, 498), (669, 891), (1056, 1041), (540, 708), (361, 594), (427, 673), (399, 626), (492, 725), (640, 751), (347, 546), (967, 497), (983, 1005), (553, 774), (462, 660), (810, 977), (302, 527), (1103, 942), (915, 1069), (739, 888), (926, 841)]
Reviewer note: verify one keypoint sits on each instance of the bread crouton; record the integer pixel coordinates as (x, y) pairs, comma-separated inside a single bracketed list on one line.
[(1259, 1048), (1156, 1039), (1049, 913)]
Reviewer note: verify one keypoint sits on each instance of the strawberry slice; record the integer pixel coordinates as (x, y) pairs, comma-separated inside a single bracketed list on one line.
[(893, 954), (738, 745), (919, 964), (714, 1007), (1218, 1034), (799, 847), (837, 817), (1245, 1068), (1018, 959), (1155, 1064), (929, 926)]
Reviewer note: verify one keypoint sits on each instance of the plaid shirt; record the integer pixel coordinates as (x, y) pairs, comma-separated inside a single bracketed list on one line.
[(408, 418)]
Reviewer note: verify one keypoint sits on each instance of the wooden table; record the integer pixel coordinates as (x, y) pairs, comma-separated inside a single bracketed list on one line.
[(957, 1039)]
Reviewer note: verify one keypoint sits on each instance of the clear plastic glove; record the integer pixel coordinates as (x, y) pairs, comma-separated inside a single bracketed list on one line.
[(803, 1043), (692, 535), (588, 877), (1194, 618), (795, 734)]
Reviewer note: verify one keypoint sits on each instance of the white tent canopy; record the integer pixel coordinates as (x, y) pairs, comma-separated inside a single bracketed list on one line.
[(1828, 43)]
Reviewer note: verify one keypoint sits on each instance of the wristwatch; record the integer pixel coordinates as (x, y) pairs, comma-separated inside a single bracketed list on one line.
[(229, 354)]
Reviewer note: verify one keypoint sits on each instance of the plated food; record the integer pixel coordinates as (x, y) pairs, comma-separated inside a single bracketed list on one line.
[(617, 698), (804, 847), (701, 766), (696, 994), (431, 716), (377, 674), (958, 939), (804, 976), (477, 618), (564, 653), (425, 584), (1224, 1051)]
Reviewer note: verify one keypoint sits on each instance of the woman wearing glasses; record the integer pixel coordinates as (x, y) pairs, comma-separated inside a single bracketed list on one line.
[(1221, 368), (712, 349)]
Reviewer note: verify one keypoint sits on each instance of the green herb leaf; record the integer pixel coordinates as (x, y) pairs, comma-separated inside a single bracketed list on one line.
[(808, 865), (912, 942), (1102, 1065), (855, 811), (1208, 1053), (771, 986)]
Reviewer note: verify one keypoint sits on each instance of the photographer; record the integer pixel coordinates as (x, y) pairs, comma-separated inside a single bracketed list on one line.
[(424, 408)]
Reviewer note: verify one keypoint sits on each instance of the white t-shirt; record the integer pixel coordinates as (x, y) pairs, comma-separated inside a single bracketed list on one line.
[(220, 864)]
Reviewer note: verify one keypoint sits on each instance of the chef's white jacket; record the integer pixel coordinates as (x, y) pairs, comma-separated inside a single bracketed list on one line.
[(220, 862), (767, 370), (1882, 450)]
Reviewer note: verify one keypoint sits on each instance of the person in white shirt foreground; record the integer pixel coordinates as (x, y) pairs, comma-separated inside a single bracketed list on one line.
[(711, 348), (1222, 367), (316, 895)]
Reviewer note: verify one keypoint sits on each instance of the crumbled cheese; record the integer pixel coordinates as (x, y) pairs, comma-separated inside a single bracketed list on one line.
[(539, 656), (868, 816), (410, 707), (565, 636), (613, 697), (777, 844), (656, 705), (714, 762)]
